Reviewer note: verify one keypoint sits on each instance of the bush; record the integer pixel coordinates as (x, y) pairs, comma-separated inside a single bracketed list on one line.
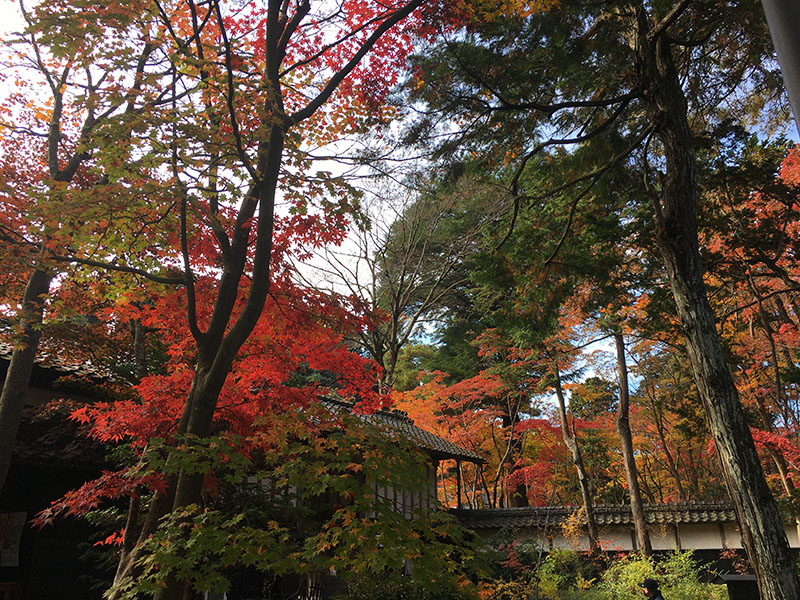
[(678, 575), (497, 589), (567, 575)]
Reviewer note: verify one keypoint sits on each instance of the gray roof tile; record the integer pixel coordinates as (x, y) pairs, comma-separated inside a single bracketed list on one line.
[(404, 425), (53, 362), (607, 514)]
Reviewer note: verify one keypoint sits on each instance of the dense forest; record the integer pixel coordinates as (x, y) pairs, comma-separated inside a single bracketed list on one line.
[(561, 235)]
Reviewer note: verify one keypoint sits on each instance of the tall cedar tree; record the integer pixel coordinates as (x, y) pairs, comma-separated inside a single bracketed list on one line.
[(629, 80)]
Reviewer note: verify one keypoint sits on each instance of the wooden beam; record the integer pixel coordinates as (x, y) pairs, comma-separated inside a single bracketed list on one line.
[(458, 483)]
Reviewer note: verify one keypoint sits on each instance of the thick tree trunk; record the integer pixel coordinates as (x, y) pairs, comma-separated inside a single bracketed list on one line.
[(760, 521), (626, 445), (215, 361), (216, 356), (18, 376), (577, 460)]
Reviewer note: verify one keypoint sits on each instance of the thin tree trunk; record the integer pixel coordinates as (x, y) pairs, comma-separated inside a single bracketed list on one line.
[(132, 531), (445, 499), (626, 443), (18, 375), (518, 497), (766, 418), (476, 487), (489, 498), (139, 338), (769, 333), (672, 466), (760, 521), (782, 310), (571, 442)]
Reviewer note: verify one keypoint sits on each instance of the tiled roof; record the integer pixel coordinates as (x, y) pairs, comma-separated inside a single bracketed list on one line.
[(52, 361), (396, 420), (606, 514), (53, 441), (404, 425)]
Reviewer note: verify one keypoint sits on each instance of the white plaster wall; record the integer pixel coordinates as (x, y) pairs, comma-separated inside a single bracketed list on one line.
[(616, 539), (662, 536), (559, 541), (704, 536), (733, 539), (693, 536), (791, 533)]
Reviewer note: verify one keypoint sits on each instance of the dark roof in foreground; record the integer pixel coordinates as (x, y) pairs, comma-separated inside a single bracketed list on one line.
[(400, 422), (53, 364), (396, 420), (605, 514)]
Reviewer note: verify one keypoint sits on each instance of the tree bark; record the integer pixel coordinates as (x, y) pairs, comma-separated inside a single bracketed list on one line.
[(18, 376), (626, 445), (216, 358), (760, 521), (577, 460), (139, 339)]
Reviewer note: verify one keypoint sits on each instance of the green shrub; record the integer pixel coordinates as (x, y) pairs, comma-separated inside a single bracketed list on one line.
[(678, 575), (566, 575), (563, 572), (621, 580)]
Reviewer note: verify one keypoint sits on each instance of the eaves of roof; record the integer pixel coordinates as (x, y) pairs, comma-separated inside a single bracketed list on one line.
[(549, 516), (53, 363), (401, 423)]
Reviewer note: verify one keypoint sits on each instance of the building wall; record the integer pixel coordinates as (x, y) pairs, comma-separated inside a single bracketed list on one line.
[(687, 536), (407, 502)]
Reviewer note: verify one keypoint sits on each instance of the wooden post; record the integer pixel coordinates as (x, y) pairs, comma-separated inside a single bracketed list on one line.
[(458, 483)]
